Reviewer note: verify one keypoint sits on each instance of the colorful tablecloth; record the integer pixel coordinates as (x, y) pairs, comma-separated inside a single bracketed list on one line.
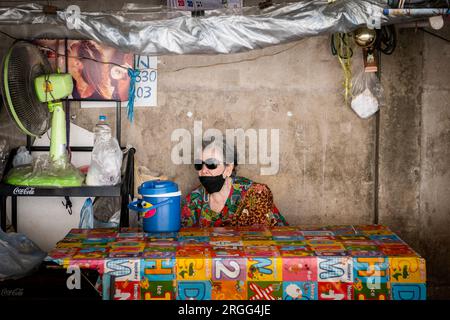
[(367, 262)]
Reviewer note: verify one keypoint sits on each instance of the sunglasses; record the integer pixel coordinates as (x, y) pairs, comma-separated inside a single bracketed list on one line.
[(211, 164)]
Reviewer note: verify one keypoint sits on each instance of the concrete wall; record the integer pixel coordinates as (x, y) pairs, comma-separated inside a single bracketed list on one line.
[(435, 162), (325, 170), (415, 150)]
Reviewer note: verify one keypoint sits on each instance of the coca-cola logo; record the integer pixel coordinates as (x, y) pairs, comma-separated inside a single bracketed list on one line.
[(17, 292), (24, 191)]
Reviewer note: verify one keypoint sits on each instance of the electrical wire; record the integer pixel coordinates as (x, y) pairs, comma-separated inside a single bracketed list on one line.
[(170, 71), (341, 47), (238, 61), (386, 39), (68, 56), (337, 47)]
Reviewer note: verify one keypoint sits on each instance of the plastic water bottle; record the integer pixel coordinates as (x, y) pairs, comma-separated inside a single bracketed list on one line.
[(106, 162), (102, 130)]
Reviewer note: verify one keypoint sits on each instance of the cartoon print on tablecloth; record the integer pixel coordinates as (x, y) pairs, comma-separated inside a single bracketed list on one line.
[(382, 267), (95, 264), (287, 237), (264, 269), (186, 240), (352, 237), (295, 251), (89, 242), (386, 238), (227, 252), (125, 252), (375, 232), (91, 253), (370, 291), (157, 254), (317, 233), (299, 290), (335, 291), (409, 291), (161, 235), (261, 251), (326, 253), (157, 290), (158, 269), (259, 243), (193, 232), (229, 269), (371, 270), (335, 269), (396, 250), (62, 253), (299, 269), (407, 269), (194, 290), (69, 243), (325, 245), (265, 290), (226, 243), (193, 268), (321, 238), (191, 251), (229, 290), (127, 290), (124, 269), (365, 253)]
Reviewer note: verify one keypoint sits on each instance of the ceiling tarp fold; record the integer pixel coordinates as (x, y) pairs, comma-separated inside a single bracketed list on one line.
[(158, 30)]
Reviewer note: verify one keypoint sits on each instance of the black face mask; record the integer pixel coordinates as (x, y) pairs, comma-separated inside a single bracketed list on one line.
[(212, 184)]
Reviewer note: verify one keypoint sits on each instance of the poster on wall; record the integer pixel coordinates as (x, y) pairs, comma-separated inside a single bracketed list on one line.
[(146, 86), (94, 80), (54, 51)]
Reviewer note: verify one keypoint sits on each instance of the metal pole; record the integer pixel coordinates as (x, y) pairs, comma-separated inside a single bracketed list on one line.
[(3, 213), (118, 122), (376, 213), (14, 212)]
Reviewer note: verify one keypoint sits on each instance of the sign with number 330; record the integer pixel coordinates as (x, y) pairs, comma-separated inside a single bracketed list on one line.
[(146, 81)]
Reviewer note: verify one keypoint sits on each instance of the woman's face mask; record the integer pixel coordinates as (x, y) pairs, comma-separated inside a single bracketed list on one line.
[(212, 184)]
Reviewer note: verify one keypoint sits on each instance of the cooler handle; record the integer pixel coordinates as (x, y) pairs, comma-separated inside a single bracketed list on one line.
[(137, 206)]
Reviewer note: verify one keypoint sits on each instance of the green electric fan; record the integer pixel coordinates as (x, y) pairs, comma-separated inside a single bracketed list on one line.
[(32, 93)]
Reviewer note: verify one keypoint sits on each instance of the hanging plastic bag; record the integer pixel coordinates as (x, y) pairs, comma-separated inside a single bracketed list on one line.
[(19, 256), (23, 156), (45, 172), (366, 93), (87, 215), (107, 212)]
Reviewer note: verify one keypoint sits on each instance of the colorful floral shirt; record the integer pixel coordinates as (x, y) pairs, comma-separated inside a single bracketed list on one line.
[(197, 213)]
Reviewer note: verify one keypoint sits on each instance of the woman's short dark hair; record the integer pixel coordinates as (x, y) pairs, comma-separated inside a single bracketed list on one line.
[(229, 151)]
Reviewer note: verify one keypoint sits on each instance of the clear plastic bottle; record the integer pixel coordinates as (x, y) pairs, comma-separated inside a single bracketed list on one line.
[(102, 129), (106, 162)]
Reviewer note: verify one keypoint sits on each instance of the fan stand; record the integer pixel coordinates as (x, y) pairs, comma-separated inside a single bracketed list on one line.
[(58, 139)]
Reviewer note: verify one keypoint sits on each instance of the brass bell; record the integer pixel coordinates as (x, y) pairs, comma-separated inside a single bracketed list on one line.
[(364, 37)]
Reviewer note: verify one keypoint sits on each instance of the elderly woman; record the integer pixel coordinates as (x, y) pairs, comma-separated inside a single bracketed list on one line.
[(224, 199)]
